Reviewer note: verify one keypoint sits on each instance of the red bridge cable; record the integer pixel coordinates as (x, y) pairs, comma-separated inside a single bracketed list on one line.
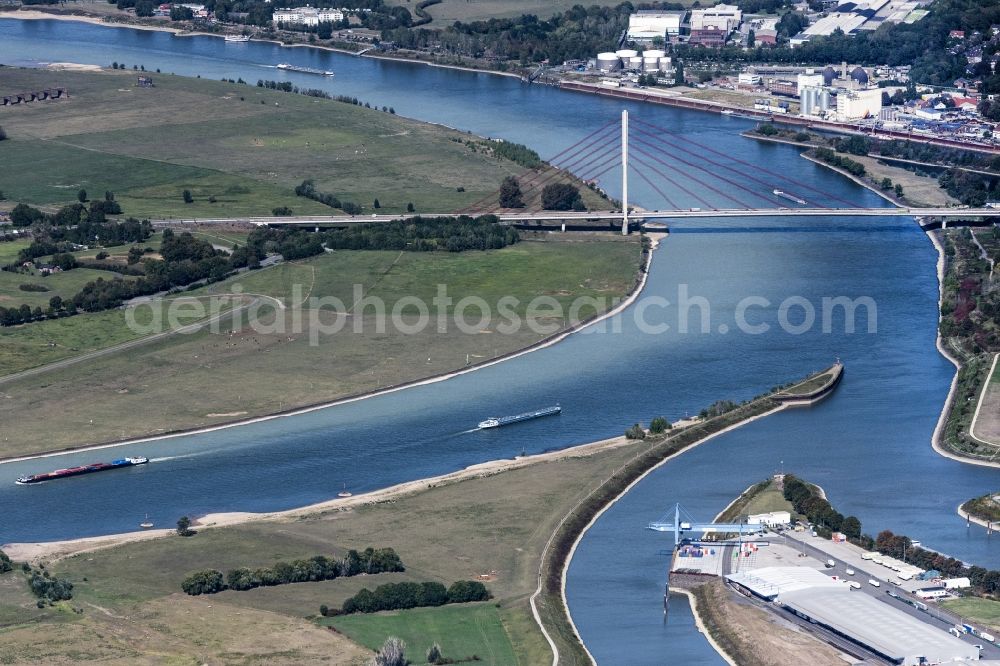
[(706, 185), (715, 175), (663, 194), (752, 166), (670, 180), (558, 155), (723, 166)]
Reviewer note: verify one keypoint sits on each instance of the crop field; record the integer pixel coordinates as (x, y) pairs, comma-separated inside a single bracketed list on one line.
[(279, 366), (462, 632), (238, 148)]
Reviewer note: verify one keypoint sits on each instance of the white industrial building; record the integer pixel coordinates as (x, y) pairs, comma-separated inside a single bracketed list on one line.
[(857, 104), (725, 18), (809, 78), (880, 628), (646, 25), (310, 16), (770, 519)]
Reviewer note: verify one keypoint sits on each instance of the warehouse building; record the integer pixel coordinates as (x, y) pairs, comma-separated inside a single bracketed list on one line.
[(871, 624), (647, 25), (878, 627)]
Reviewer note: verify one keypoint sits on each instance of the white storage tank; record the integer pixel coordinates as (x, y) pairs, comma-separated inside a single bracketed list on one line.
[(608, 62), (635, 63), (625, 54), (650, 64), (654, 53), (665, 64)]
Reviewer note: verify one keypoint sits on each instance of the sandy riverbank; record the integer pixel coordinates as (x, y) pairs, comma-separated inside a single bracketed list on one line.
[(53, 550)]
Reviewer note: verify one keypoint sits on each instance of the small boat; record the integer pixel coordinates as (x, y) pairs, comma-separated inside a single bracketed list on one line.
[(237, 39), (727, 112), (146, 524), (305, 70), (345, 492), (790, 197), (497, 421)]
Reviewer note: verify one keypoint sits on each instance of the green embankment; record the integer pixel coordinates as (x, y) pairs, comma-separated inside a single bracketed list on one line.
[(462, 632)]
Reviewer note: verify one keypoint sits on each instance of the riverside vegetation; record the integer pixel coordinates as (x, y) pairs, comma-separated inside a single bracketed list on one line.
[(969, 329)]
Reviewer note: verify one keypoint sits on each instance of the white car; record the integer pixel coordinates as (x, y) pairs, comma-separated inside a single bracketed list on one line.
[(849, 571), (873, 582)]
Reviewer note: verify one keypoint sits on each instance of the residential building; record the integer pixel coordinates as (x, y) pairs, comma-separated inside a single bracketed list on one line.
[(308, 16)]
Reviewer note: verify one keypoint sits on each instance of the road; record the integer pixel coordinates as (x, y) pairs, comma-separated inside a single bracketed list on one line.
[(578, 216)]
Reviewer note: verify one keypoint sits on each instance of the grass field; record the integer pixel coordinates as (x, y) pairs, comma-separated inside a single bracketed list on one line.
[(495, 524), (281, 368), (245, 146), (65, 284), (985, 611), (9, 250), (450, 11), (462, 632)]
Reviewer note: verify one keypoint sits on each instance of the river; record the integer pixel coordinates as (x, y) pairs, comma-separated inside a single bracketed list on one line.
[(868, 446)]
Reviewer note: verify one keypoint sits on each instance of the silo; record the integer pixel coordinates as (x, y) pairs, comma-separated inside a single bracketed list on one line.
[(650, 64), (607, 62), (635, 63), (625, 54), (665, 64), (653, 53), (823, 104)]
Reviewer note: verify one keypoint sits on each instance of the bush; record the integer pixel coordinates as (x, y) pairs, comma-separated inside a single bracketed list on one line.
[(281, 211), (208, 581), (33, 287), (635, 432), (399, 596), (5, 563), (659, 425), (186, 194), (463, 591)]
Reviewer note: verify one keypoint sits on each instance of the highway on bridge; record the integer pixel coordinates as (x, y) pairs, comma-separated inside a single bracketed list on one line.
[(581, 216)]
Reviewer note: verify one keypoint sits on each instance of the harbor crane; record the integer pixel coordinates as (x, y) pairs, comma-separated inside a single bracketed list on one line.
[(679, 527)]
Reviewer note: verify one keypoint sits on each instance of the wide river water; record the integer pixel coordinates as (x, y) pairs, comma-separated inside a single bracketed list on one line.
[(868, 446)]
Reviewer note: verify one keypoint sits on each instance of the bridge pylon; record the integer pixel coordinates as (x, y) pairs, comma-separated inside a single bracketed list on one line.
[(625, 172)]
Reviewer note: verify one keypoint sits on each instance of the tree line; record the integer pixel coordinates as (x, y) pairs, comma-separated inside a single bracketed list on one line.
[(425, 234), (852, 167), (308, 190), (400, 596), (319, 567)]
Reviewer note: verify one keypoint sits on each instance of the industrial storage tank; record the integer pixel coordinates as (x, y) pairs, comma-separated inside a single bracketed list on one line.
[(635, 63), (650, 64), (665, 64), (608, 62), (829, 74), (625, 54), (860, 75), (653, 53)]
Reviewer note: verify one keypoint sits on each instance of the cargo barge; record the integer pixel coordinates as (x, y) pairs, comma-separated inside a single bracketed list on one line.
[(497, 421), (83, 469), (305, 70)]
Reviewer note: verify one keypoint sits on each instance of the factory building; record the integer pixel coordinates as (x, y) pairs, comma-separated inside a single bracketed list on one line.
[(857, 104), (311, 16), (771, 519), (712, 26), (809, 78), (646, 25)]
